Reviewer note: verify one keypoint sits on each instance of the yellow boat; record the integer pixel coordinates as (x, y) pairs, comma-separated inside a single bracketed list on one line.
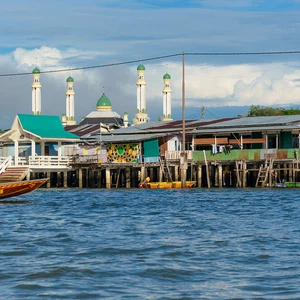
[(166, 185), (156, 185), (188, 184)]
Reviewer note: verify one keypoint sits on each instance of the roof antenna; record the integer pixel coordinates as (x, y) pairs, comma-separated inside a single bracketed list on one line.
[(103, 88)]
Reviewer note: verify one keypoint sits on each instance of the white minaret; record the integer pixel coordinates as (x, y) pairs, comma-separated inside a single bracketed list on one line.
[(36, 92), (167, 116), (125, 119), (70, 112), (141, 115)]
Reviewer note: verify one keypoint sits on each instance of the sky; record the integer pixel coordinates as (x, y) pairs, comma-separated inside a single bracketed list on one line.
[(63, 35)]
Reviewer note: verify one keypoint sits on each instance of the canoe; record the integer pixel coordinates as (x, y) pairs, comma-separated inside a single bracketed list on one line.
[(292, 184), (188, 184), (12, 189)]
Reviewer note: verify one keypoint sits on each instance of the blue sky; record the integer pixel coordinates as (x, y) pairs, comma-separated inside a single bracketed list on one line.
[(67, 34)]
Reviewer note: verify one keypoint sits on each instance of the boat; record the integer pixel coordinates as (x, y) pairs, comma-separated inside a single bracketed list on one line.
[(156, 185), (166, 185), (290, 184), (188, 184), (16, 188)]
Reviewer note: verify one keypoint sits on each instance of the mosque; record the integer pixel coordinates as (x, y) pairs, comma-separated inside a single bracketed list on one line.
[(104, 113)]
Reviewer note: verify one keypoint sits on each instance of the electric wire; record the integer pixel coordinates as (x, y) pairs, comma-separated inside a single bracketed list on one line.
[(155, 58)]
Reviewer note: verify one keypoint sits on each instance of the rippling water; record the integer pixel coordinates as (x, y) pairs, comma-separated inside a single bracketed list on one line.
[(151, 244)]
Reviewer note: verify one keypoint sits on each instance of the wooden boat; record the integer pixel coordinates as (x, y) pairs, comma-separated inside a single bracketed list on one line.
[(291, 184), (166, 185), (188, 184), (156, 185), (12, 189)]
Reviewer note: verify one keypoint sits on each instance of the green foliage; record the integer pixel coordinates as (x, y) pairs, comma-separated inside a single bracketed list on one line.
[(258, 111), (2, 131)]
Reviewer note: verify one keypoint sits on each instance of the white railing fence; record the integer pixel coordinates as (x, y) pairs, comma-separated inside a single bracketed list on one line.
[(170, 154), (50, 161), (4, 163)]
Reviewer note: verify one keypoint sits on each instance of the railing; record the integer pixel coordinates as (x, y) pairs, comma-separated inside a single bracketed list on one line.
[(49, 161), (4, 163), (177, 154), (22, 161)]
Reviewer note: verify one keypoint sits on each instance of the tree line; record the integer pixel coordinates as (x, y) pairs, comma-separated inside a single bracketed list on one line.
[(258, 111)]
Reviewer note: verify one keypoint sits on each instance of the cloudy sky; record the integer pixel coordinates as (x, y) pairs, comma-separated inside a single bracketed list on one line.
[(62, 35)]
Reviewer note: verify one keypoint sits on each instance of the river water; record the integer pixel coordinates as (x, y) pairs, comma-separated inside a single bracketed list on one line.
[(151, 244)]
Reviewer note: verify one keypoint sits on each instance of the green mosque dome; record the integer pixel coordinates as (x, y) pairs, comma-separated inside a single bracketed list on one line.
[(167, 76), (36, 71), (141, 68), (70, 79), (103, 101)]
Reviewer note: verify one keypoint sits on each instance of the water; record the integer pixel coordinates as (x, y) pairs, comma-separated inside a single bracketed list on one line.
[(151, 244)]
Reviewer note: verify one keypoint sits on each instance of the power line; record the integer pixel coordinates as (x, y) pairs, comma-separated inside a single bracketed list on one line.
[(95, 67), (156, 58), (241, 53)]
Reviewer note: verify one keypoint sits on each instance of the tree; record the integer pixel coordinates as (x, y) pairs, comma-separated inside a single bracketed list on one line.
[(257, 111)]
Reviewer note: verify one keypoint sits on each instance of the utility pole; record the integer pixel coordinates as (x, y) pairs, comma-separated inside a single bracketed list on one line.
[(183, 156)]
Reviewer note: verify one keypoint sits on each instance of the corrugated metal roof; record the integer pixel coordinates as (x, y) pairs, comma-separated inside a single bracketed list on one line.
[(257, 121), (244, 129), (108, 138)]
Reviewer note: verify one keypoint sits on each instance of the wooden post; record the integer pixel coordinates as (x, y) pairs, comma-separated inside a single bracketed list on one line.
[(59, 179), (160, 174), (151, 174), (127, 175), (285, 172), (176, 174), (290, 172), (220, 176), (244, 174), (107, 178), (65, 175), (143, 169), (199, 169), (99, 179), (49, 181), (80, 178)]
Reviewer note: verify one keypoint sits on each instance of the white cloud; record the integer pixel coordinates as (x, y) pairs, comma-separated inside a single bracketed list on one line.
[(206, 84)]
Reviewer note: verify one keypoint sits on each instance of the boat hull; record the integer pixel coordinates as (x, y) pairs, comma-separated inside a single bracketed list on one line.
[(12, 189), (188, 184), (166, 185), (156, 185), (292, 184)]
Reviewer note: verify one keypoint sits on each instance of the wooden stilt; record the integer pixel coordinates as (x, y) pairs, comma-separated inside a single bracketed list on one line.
[(107, 178)]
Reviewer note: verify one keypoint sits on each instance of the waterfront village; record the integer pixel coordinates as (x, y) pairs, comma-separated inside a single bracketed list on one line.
[(106, 150)]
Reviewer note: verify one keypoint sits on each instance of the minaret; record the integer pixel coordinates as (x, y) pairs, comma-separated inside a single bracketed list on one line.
[(36, 92), (167, 116), (125, 119), (141, 115), (70, 113)]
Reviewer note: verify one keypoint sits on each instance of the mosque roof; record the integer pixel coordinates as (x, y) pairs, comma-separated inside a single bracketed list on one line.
[(141, 67), (167, 76), (36, 71), (103, 101), (70, 79)]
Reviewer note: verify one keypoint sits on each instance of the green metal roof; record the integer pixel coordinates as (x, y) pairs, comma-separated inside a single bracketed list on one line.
[(167, 76), (70, 79), (103, 101), (45, 126), (36, 71), (141, 67)]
